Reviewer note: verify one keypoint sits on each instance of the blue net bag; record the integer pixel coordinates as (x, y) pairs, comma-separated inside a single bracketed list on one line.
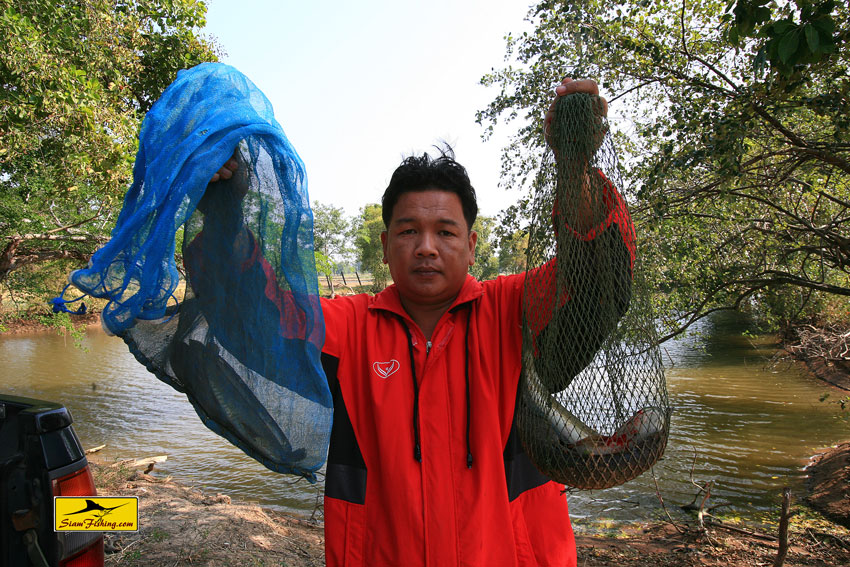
[(244, 343)]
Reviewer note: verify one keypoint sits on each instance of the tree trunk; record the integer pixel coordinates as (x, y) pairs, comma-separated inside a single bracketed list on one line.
[(7, 258)]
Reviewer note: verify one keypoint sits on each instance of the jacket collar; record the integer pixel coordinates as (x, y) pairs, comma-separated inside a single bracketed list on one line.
[(390, 300)]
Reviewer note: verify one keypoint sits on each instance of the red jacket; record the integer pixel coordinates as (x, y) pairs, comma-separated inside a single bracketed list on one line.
[(424, 466), (383, 507)]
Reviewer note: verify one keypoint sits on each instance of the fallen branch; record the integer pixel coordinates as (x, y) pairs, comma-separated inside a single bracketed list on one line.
[(94, 449), (814, 534), (829, 342), (664, 506), (758, 535), (132, 463)]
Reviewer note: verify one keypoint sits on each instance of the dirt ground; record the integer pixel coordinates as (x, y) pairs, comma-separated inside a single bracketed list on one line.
[(184, 526)]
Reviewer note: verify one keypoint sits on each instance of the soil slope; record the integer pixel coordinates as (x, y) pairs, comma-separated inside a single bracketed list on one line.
[(829, 483)]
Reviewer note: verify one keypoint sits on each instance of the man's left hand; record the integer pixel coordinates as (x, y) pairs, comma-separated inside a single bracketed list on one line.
[(567, 87)]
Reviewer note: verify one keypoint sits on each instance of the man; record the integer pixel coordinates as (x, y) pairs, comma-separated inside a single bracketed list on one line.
[(424, 466)]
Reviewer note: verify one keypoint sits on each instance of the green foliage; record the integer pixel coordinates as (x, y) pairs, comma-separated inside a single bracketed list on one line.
[(366, 231), (486, 264), (736, 151), (76, 79), (324, 265), (64, 326), (27, 287), (512, 252), (790, 36), (331, 231)]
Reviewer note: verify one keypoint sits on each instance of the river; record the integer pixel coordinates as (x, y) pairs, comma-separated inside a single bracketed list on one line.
[(738, 421)]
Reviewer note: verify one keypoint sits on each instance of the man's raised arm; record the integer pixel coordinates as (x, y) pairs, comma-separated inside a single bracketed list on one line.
[(574, 300)]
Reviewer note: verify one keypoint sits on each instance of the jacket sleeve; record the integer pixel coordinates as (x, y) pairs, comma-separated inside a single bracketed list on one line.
[(575, 300)]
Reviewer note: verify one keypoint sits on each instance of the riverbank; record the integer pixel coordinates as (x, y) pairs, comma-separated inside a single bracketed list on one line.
[(181, 525), (828, 483), (19, 326), (659, 536)]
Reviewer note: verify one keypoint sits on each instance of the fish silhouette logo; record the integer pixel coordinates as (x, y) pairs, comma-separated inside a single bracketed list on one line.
[(96, 513), (386, 369), (92, 506)]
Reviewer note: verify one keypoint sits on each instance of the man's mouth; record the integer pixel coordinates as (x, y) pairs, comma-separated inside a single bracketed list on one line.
[(426, 270)]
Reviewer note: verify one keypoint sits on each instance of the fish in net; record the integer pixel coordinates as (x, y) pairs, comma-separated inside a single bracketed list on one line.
[(593, 410), (246, 355)]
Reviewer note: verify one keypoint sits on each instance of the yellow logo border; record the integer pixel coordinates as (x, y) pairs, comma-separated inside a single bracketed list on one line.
[(96, 514)]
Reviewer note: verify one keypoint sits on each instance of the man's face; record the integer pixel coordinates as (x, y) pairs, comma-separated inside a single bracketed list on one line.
[(428, 247)]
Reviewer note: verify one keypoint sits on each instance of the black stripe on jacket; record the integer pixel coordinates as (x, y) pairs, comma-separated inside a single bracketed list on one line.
[(346, 472)]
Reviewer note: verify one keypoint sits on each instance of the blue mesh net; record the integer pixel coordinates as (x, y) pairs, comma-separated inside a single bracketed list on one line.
[(244, 343)]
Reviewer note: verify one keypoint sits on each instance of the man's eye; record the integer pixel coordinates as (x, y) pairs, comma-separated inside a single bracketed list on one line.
[(446, 233), (407, 231)]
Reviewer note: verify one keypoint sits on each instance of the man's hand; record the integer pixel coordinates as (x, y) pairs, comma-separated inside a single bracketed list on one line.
[(227, 170), (227, 187), (567, 87), (579, 201)]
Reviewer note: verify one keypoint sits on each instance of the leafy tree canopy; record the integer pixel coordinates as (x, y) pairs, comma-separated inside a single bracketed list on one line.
[(366, 230), (76, 80), (486, 266), (330, 232), (736, 149)]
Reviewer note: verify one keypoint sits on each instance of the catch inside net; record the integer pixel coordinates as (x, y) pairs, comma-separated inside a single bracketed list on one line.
[(593, 410), (244, 340)]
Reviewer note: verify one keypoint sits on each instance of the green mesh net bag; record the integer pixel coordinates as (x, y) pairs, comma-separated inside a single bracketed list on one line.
[(593, 410)]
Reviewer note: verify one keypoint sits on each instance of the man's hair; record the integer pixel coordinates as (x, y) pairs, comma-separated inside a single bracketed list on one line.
[(421, 173)]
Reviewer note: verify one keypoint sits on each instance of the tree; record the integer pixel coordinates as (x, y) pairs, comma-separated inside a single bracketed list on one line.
[(737, 155), (330, 231), (330, 238), (367, 228), (512, 249), (76, 80), (486, 264)]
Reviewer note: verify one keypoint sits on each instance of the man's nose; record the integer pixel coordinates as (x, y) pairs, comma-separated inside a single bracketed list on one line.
[(426, 246)]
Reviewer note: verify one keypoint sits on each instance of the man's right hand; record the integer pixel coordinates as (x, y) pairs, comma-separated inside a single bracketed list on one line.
[(227, 170), (225, 187)]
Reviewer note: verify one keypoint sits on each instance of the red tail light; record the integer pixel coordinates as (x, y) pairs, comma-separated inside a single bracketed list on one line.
[(78, 483), (78, 549)]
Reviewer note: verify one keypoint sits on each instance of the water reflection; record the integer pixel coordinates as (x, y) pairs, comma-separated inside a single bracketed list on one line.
[(748, 426)]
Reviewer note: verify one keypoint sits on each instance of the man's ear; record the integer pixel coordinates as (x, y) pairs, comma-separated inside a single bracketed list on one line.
[(473, 240), (384, 245)]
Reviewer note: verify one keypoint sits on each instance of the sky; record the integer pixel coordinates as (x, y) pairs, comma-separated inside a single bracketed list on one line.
[(357, 86)]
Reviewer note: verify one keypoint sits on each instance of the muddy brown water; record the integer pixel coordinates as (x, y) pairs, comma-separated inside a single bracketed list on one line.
[(737, 421)]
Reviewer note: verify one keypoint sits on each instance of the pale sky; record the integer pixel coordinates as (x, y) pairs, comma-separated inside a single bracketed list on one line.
[(359, 85)]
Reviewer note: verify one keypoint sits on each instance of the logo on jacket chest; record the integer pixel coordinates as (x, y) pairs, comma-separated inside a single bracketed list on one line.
[(386, 369)]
